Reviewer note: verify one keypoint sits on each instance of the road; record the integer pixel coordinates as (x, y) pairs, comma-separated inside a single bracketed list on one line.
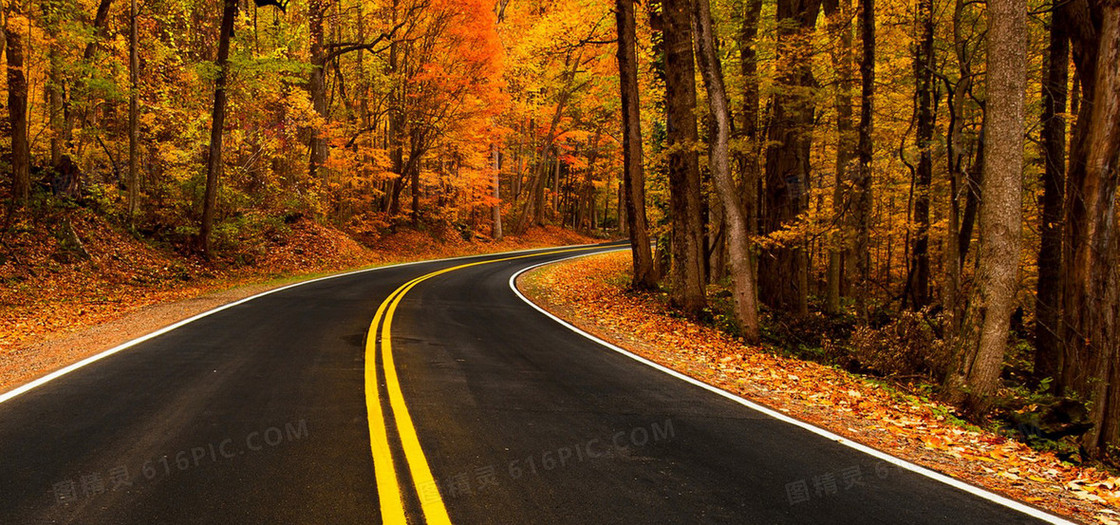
[(281, 409)]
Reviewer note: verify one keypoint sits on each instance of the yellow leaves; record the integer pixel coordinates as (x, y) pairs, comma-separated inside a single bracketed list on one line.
[(18, 23)]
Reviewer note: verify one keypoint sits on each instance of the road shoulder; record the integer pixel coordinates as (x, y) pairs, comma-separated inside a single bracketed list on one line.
[(590, 294)]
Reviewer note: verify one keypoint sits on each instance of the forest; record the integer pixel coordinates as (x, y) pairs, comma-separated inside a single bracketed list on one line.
[(920, 189)]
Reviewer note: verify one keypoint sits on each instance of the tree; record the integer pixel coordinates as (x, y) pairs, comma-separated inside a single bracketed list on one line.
[(978, 356), (687, 271), (1047, 337), (917, 281), (961, 175), (317, 85), (738, 241), (14, 26), (840, 251), (783, 270), (862, 183), (633, 177), (133, 115), (217, 121), (496, 209), (1091, 294), (749, 128)]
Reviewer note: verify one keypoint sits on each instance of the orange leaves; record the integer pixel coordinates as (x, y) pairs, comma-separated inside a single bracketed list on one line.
[(591, 293)]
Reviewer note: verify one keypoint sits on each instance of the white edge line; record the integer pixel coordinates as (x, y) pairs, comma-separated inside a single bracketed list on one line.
[(123, 346), (917, 469)]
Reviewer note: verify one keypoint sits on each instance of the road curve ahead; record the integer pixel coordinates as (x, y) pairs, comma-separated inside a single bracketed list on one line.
[(425, 393)]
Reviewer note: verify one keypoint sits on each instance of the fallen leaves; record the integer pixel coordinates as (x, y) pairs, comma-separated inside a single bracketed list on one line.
[(590, 293)]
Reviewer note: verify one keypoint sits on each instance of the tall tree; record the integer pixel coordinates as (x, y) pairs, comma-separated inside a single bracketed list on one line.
[(862, 183), (917, 281), (1092, 245), (783, 269), (317, 83), (840, 252), (496, 209), (633, 177), (749, 129), (52, 17), (957, 150), (17, 104), (743, 278), (978, 355), (133, 114), (1047, 337), (217, 122), (687, 272)]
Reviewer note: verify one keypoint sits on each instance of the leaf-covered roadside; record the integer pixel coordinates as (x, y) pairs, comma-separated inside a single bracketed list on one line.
[(592, 293), (57, 282)]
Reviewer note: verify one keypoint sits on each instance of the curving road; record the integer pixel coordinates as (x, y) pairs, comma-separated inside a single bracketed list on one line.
[(281, 409)]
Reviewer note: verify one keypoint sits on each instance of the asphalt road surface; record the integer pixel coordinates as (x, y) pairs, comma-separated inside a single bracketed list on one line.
[(281, 409)]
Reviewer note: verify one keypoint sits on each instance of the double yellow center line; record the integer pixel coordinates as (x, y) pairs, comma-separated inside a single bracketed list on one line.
[(388, 487)]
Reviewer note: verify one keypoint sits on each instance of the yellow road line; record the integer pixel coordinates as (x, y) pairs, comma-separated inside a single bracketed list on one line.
[(388, 491), (388, 488)]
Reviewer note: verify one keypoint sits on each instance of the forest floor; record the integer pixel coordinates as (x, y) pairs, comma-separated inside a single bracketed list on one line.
[(592, 294), (65, 297)]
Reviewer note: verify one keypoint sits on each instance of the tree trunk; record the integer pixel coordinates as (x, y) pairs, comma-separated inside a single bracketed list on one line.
[(1092, 285), (17, 114), (974, 180), (862, 183), (840, 250), (317, 85), (955, 156), (414, 173), (784, 269), (52, 20), (687, 270), (1076, 372), (496, 209), (750, 170), (214, 161), (133, 116), (918, 280), (978, 355), (1047, 336), (743, 279)]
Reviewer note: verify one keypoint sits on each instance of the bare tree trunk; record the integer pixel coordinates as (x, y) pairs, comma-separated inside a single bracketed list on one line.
[(783, 275), (750, 169), (214, 161), (496, 209), (1076, 374), (862, 185), (955, 155), (978, 355), (17, 112), (839, 247), (738, 242), (1092, 291), (918, 268), (556, 191), (51, 22), (684, 170), (133, 116), (414, 172), (317, 85), (1047, 337)]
